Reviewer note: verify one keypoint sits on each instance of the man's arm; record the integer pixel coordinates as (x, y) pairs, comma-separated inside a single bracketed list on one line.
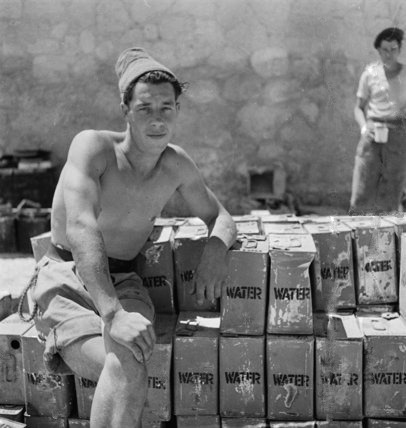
[(212, 269), (213, 265), (85, 165), (359, 115), (363, 95)]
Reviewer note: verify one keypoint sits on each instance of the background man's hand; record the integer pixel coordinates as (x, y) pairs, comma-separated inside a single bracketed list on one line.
[(133, 331), (211, 272), (368, 130)]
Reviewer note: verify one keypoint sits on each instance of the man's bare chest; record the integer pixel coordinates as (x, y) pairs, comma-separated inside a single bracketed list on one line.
[(130, 200)]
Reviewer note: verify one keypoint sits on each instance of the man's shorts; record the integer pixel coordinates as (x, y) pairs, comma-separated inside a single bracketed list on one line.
[(66, 312)]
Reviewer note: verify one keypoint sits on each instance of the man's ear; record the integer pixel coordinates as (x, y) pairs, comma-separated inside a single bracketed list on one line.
[(124, 108)]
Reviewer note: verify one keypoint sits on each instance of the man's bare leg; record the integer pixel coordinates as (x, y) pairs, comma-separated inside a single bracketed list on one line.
[(121, 381), (121, 390)]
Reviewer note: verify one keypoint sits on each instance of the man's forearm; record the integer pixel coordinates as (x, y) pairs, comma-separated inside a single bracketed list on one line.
[(223, 228), (359, 117), (92, 263)]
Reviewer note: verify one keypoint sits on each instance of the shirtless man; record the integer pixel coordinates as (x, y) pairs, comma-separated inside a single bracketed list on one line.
[(93, 313)]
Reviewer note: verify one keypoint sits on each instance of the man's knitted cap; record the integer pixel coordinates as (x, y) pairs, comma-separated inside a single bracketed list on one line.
[(132, 64)]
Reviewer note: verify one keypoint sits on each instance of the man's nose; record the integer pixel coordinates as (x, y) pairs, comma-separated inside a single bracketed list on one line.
[(157, 123)]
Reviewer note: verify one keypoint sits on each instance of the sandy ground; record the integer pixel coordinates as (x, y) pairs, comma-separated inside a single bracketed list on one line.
[(15, 272)]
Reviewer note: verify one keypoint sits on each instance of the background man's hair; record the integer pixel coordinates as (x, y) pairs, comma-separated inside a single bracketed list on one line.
[(155, 77), (389, 34)]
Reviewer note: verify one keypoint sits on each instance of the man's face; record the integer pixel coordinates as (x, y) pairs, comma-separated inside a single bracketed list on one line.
[(389, 52), (152, 114)]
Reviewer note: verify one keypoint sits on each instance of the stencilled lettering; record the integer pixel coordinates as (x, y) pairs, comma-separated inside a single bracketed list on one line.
[(284, 293), (155, 281), (8, 367), (156, 382), (244, 293), (202, 378), (388, 378), (281, 379), (187, 275), (339, 379), (87, 383), (378, 266), (243, 377), (45, 381), (335, 272)]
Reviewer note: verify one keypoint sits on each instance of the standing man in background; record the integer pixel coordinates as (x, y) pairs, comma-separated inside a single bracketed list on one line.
[(380, 111), (94, 314)]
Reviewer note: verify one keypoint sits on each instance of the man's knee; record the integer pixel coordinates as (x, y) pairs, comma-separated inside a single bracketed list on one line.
[(122, 365)]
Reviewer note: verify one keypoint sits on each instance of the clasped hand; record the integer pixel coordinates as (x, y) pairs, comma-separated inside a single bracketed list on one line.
[(135, 332)]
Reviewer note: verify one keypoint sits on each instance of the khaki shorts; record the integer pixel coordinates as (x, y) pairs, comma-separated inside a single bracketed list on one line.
[(66, 312)]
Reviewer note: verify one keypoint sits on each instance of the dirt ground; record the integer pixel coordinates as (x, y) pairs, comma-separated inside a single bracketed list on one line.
[(15, 272)]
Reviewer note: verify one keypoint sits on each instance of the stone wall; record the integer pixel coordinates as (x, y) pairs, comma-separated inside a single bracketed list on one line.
[(271, 81)]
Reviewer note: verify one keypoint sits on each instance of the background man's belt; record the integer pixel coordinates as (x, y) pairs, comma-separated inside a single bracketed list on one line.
[(391, 123)]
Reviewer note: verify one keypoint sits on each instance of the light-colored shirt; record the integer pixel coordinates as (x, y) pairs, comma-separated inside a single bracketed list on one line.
[(385, 98)]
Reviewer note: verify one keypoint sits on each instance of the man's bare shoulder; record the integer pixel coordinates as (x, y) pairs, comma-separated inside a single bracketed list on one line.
[(93, 151), (173, 152), (94, 146), (96, 140)]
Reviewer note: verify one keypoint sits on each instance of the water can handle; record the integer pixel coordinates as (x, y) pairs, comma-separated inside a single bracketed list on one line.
[(27, 203), (378, 325)]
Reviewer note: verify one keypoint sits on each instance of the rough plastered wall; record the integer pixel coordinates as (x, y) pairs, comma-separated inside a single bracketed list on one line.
[(270, 80)]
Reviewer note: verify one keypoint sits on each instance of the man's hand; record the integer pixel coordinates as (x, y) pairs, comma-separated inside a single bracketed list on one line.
[(211, 272), (368, 130), (133, 331)]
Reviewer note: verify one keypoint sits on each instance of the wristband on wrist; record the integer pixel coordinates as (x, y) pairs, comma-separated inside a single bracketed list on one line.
[(364, 129)]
